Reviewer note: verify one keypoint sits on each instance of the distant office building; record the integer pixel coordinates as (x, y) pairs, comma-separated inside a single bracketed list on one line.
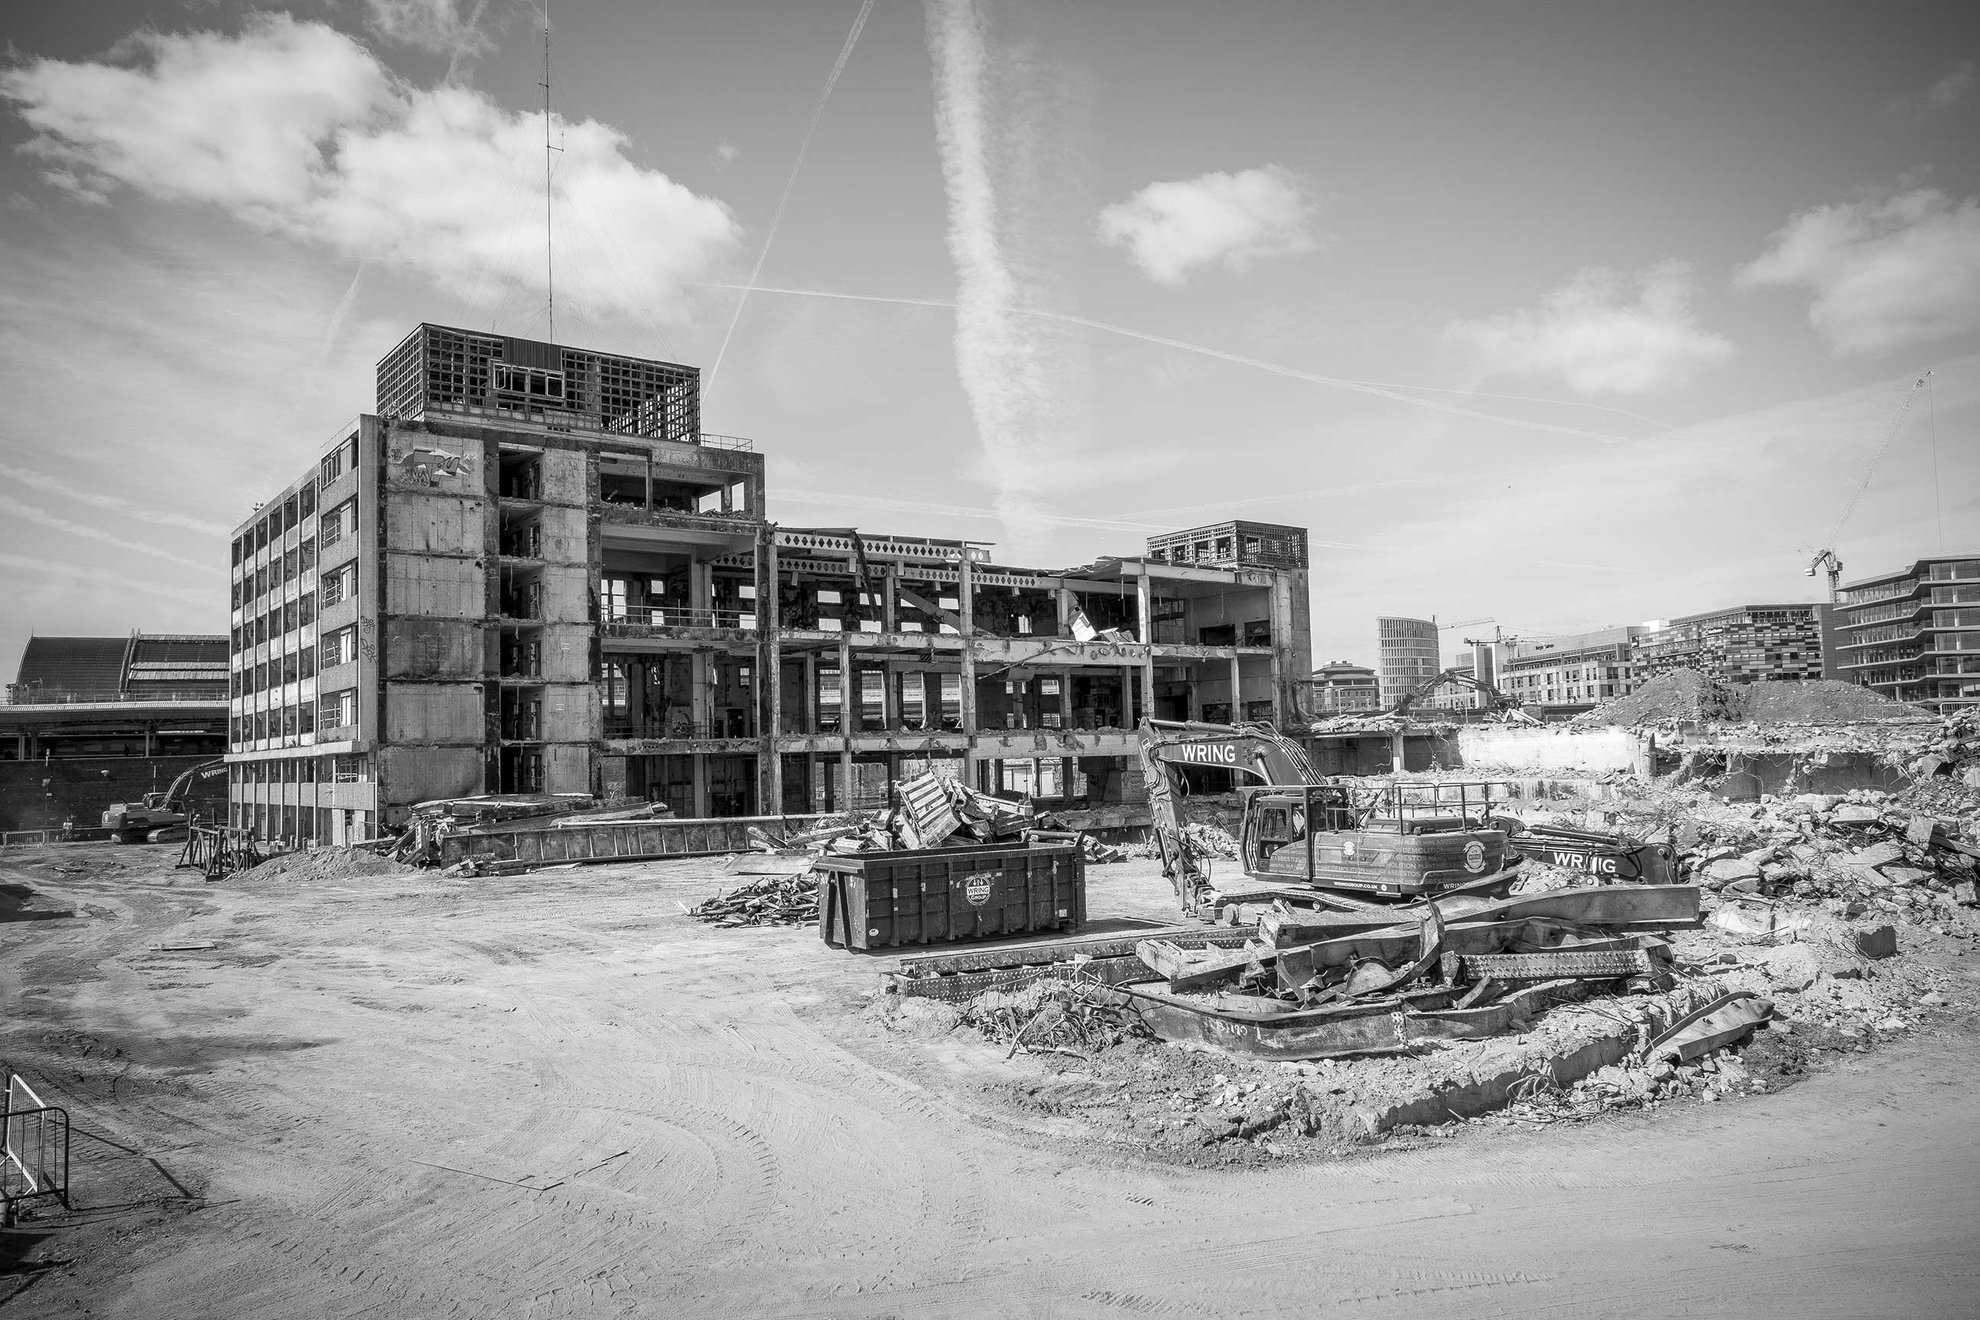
[(1914, 635), (1342, 688), (1567, 675), (1738, 644), (1407, 653)]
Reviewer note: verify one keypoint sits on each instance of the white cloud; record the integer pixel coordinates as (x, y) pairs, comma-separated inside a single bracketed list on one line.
[(1174, 229), (1592, 335), (727, 152), (1943, 94), (298, 130), (1884, 273)]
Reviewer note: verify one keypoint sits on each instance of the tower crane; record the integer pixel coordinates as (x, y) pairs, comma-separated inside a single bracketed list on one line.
[(1826, 558)]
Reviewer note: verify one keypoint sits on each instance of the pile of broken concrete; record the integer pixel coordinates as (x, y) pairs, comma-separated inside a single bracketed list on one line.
[(1849, 853)]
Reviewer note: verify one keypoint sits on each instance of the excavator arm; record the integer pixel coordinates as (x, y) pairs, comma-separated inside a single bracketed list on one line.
[(1255, 750)]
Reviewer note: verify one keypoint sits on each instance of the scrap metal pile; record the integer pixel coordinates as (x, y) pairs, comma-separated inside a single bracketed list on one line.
[(1305, 986), (1365, 981)]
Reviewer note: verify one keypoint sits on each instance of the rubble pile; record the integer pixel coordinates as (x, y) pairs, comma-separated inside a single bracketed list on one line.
[(320, 865), (774, 900), (1687, 696), (1850, 853), (1052, 1016)]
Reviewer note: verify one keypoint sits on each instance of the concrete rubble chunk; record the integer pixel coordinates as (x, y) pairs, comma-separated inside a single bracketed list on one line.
[(1877, 854), (1854, 813), (1877, 941)]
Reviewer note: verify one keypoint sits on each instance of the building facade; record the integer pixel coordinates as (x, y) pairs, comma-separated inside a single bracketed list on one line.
[(1342, 688), (1407, 652), (538, 577), (1914, 635), (89, 721), (1739, 644), (1567, 675)]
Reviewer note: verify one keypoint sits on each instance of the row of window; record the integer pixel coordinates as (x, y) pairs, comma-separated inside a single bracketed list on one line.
[(339, 647), (331, 710), (294, 562), (302, 770), (272, 526), (284, 618)]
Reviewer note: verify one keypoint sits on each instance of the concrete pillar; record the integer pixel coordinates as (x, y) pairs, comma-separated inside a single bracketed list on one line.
[(1237, 689), (966, 601), (1396, 751), (1145, 629), (1127, 697), (1064, 597), (809, 724), (1065, 699), (769, 677), (890, 603)]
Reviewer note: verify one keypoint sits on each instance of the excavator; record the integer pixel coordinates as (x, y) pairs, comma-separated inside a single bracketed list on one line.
[(1301, 830), (1498, 706), (136, 822)]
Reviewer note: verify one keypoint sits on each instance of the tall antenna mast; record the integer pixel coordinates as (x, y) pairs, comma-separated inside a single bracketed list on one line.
[(549, 258)]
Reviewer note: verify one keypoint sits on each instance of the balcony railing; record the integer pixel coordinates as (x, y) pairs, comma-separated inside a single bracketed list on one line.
[(1866, 595), (648, 621), (33, 694), (1863, 618), (711, 441)]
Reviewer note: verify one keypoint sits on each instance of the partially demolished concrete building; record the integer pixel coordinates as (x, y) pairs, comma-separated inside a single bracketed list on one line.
[(530, 571)]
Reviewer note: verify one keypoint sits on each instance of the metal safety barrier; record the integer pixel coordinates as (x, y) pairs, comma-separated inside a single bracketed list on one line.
[(34, 1156)]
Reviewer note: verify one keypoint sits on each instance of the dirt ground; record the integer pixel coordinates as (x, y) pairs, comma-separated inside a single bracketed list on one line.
[(552, 1094)]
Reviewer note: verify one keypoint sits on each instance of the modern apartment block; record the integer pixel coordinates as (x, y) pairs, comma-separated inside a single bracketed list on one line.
[(530, 572), (1738, 644), (1914, 635), (1407, 652), (1567, 675)]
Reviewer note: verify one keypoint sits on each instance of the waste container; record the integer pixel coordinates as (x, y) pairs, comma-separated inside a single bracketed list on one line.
[(883, 900)]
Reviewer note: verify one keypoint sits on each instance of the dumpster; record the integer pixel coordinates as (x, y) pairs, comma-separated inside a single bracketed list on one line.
[(884, 900)]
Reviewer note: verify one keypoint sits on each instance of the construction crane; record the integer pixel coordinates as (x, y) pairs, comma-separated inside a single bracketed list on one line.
[(1826, 557)]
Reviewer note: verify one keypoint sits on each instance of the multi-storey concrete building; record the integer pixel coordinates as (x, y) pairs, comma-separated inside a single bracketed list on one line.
[(1914, 635), (1738, 644), (1567, 675), (1407, 652), (530, 572), (1342, 688)]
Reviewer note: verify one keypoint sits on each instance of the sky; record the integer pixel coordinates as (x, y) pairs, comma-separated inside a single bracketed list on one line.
[(1539, 316)]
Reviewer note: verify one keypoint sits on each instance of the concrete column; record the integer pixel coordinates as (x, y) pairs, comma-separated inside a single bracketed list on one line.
[(1237, 689), (700, 764), (966, 601), (848, 689), (1396, 751), (890, 603), (810, 721), (770, 677), (1065, 699), (1127, 697), (1064, 597), (1145, 619)]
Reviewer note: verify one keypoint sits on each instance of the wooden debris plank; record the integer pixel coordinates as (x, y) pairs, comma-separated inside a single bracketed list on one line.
[(1191, 970)]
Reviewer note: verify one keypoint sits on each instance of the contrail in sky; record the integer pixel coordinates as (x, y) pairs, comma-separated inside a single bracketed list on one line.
[(1359, 386), (1009, 377), (35, 514), (96, 499), (804, 145)]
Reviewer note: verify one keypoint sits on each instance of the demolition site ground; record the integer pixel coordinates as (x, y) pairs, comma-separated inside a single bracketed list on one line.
[(334, 1087)]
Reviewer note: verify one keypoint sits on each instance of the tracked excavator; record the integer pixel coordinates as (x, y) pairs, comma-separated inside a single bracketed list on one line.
[(1301, 830), (137, 822)]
